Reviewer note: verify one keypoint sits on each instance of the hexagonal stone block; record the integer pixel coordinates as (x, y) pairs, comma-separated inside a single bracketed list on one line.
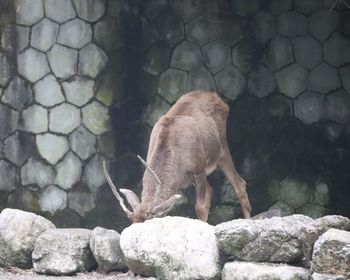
[(82, 142), (172, 84), (216, 56), (29, 11), (108, 33), (81, 202), (53, 199), (230, 82), (185, 9), (44, 35), (93, 175), (232, 30), (169, 28), (336, 50), (200, 79), (106, 142), (337, 107), (22, 37), (345, 77), (157, 58), (307, 51), (7, 176), (243, 55), (35, 172), (47, 91), (324, 78), (294, 192), (18, 147), (59, 10), (90, 10), (263, 27), (6, 69), (308, 6), (202, 30), (96, 118), (63, 61), (18, 94), (79, 90), (92, 60), (154, 110), (292, 80), (278, 7), (10, 125), (32, 64), (261, 82), (64, 118), (245, 7), (108, 89), (75, 33), (292, 24), (308, 107), (52, 147), (322, 23), (187, 56), (68, 171), (34, 119), (279, 53)]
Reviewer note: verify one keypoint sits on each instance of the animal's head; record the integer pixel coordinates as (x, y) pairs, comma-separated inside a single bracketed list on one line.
[(150, 207)]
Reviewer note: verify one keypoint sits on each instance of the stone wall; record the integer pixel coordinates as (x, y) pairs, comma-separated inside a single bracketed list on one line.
[(82, 81)]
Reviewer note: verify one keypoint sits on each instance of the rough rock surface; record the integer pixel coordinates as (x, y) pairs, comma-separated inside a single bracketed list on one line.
[(18, 232), (105, 247), (309, 235), (166, 248), (259, 271), (63, 252), (332, 253), (268, 240)]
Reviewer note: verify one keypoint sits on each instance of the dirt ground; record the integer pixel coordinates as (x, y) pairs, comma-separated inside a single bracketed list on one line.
[(18, 274)]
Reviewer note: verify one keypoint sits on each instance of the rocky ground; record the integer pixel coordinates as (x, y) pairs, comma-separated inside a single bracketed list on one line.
[(19, 274)]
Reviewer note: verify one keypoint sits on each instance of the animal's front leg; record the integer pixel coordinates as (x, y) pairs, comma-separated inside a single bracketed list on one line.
[(204, 193)]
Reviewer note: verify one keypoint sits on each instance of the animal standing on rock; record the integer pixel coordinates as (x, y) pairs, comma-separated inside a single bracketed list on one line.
[(188, 143)]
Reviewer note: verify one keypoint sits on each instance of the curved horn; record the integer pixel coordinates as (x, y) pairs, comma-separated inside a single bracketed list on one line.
[(114, 190), (149, 169)]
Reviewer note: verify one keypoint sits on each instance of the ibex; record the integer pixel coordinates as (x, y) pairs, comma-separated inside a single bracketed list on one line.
[(186, 145)]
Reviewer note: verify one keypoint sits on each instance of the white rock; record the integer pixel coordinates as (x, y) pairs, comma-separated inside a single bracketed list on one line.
[(37, 173), (18, 94), (75, 33), (32, 64), (53, 199), (63, 61), (68, 171), (44, 34), (29, 11), (96, 118), (35, 119), (48, 92), (64, 118), (18, 233), (52, 147), (92, 60), (171, 248), (79, 90), (82, 142), (59, 10)]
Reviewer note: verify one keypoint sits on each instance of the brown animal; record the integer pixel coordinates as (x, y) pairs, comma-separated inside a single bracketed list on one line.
[(186, 145)]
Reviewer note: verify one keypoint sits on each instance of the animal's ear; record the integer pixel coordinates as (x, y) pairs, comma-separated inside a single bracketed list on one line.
[(131, 197), (164, 208)]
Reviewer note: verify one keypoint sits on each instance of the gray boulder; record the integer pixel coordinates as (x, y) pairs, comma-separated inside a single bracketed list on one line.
[(266, 240), (309, 235), (317, 276), (18, 233), (332, 253), (265, 271), (63, 252), (105, 247), (171, 248)]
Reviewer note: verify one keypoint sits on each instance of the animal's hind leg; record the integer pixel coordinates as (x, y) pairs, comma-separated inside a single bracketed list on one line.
[(239, 184), (204, 193)]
